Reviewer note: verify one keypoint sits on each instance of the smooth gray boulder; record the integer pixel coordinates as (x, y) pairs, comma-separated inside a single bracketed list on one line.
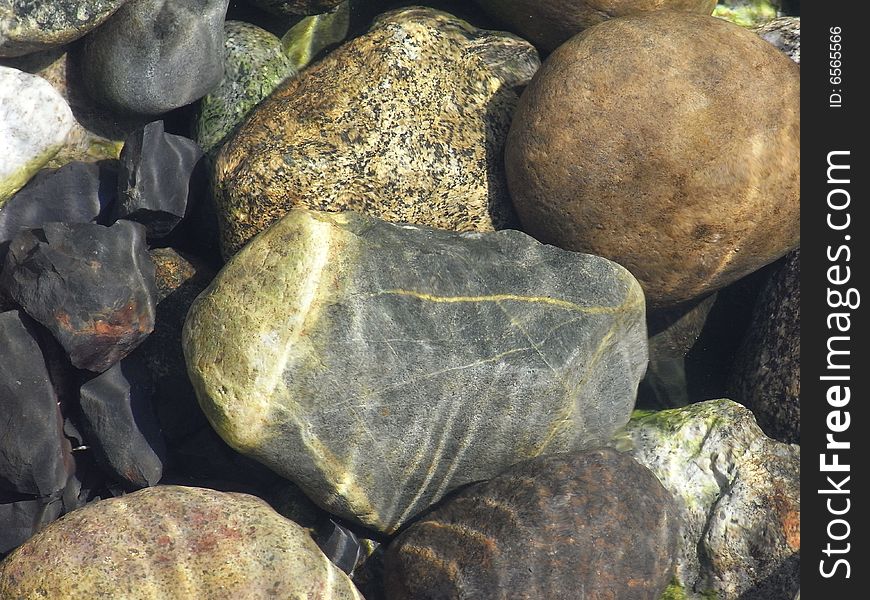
[(380, 366)]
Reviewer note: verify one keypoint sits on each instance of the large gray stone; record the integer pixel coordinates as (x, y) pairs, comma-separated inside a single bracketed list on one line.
[(380, 366)]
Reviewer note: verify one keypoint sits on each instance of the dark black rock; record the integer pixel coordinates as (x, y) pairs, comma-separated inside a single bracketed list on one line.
[(339, 544), (153, 182), (77, 192), (120, 425), (91, 286), (20, 520), (34, 455), (580, 525)]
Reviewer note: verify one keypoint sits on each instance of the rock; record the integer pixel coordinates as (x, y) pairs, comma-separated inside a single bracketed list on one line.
[(255, 64), (91, 286), (155, 173), (156, 55), (674, 179), (766, 375), (746, 13), (20, 520), (739, 493), (311, 35), (120, 424), (380, 366), (34, 123), (570, 526), (421, 92), (550, 23), (296, 7), (32, 26), (785, 34), (226, 545), (76, 193), (34, 455), (179, 279)]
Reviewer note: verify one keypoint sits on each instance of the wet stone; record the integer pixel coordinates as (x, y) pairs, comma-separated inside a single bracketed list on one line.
[(571, 526), (21, 519), (155, 173), (120, 425), (91, 286), (296, 7)]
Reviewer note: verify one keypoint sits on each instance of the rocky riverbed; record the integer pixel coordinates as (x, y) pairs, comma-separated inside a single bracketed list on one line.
[(391, 300)]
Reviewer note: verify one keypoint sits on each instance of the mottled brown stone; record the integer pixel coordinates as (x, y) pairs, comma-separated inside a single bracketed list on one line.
[(645, 140), (550, 23), (405, 123), (569, 526)]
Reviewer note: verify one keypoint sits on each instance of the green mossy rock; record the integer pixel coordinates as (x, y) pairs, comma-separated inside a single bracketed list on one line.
[(380, 366)]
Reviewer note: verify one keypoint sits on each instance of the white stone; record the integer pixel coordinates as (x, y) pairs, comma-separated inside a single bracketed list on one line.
[(35, 121)]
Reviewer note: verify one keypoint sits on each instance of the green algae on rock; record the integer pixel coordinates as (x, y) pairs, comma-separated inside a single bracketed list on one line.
[(380, 366), (739, 492), (405, 123), (173, 543), (746, 13)]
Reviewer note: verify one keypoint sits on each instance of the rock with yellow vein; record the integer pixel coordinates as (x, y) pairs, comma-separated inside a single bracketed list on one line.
[(173, 542), (380, 366)]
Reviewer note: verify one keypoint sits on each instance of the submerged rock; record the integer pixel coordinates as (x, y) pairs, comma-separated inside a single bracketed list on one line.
[(380, 366), (785, 34)]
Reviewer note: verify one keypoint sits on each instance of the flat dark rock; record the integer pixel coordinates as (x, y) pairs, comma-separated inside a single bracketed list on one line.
[(20, 520), (91, 286), (156, 168), (34, 455), (120, 424)]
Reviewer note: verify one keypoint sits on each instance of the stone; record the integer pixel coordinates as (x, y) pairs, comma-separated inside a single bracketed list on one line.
[(739, 493), (34, 123), (156, 55), (21, 519), (27, 26), (254, 66), (766, 376), (91, 286), (550, 23), (34, 455), (78, 192), (120, 425), (421, 92), (380, 366), (180, 278), (313, 34), (226, 545), (746, 13), (296, 7), (689, 178), (156, 168), (785, 34), (584, 525)]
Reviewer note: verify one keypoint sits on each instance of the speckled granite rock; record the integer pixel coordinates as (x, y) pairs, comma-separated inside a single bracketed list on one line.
[(190, 543), (296, 7), (739, 492), (570, 526), (34, 123), (747, 13), (668, 161), (380, 366), (767, 375), (156, 55), (29, 26), (421, 92), (550, 23), (785, 34), (255, 64)]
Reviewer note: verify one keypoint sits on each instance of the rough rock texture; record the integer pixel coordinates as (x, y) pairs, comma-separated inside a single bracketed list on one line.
[(296, 7), (34, 123), (91, 286), (668, 161), (190, 543), (766, 376), (550, 23), (120, 426), (34, 455), (785, 34), (31, 25), (254, 66), (421, 92), (570, 526), (154, 177), (156, 55), (739, 492), (380, 366)]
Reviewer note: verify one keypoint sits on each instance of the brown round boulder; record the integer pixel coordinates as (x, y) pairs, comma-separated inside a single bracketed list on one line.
[(667, 142), (550, 23)]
